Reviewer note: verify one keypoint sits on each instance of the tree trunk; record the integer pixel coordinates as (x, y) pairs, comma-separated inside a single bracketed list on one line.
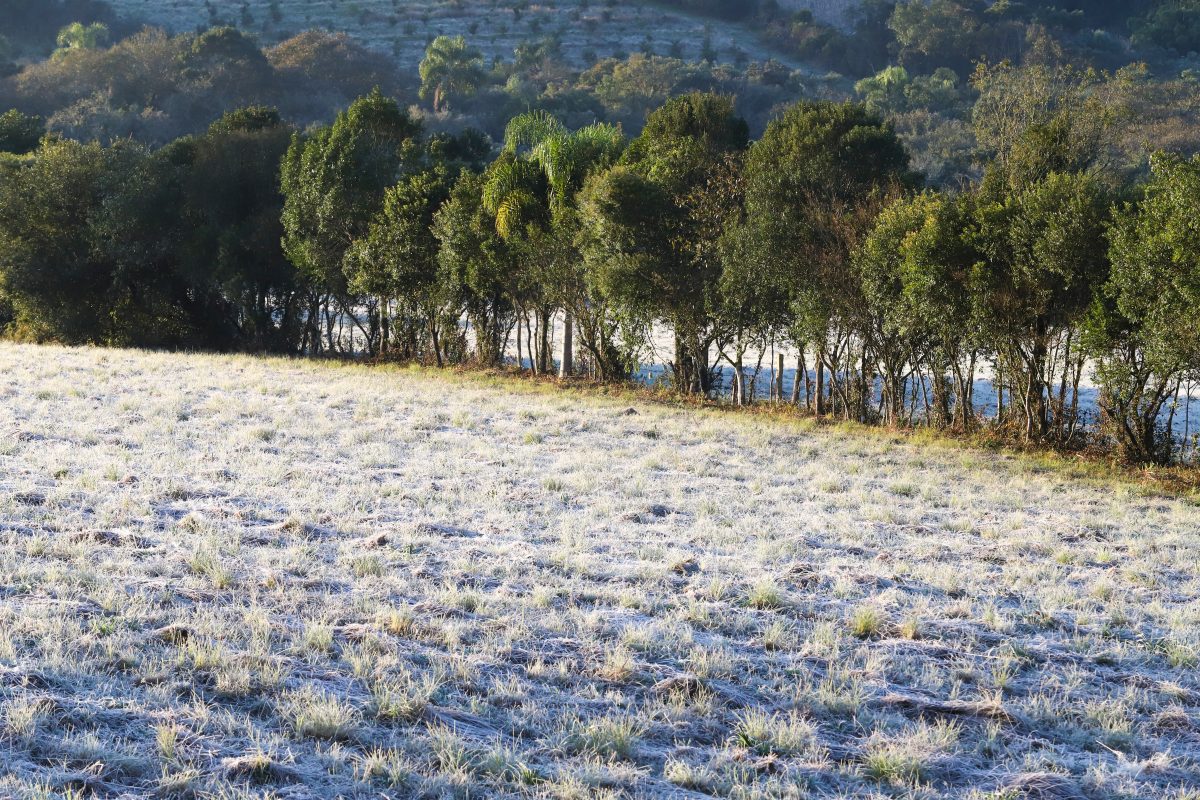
[(567, 367), (1036, 422), (820, 383), (779, 379), (739, 382), (384, 326), (437, 347), (998, 384), (544, 342), (796, 381)]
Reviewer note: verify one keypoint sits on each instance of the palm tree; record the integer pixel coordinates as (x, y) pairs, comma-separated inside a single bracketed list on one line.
[(450, 65), (565, 159), (78, 36)]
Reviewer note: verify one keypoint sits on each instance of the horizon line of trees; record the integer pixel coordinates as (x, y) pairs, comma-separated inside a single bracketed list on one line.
[(438, 248)]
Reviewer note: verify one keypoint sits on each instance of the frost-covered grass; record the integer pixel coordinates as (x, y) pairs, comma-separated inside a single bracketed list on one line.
[(229, 577)]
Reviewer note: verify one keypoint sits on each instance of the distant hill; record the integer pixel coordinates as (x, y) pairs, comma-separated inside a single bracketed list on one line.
[(587, 30), (832, 11)]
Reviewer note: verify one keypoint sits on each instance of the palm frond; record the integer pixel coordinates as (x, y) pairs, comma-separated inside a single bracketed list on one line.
[(528, 130)]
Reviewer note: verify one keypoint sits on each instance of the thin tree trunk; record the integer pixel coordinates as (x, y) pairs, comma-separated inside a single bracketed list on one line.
[(998, 382), (820, 387), (796, 381), (384, 326), (567, 367), (437, 347), (779, 379)]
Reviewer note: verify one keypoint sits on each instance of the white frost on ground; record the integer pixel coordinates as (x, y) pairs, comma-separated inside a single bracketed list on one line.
[(228, 577)]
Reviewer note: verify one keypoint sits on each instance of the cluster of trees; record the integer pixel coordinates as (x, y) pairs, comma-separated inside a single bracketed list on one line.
[(925, 35), (177, 247), (915, 62), (817, 236), (32, 28), (154, 88)]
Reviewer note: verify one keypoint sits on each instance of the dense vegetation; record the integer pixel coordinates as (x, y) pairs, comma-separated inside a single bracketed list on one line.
[(1045, 237)]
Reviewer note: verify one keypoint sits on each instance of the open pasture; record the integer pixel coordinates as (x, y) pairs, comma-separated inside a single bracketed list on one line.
[(230, 577)]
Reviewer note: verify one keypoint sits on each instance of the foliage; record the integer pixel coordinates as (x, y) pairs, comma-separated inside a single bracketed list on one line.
[(1174, 25), (334, 182), (657, 252), (78, 36), (813, 183), (369, 235), (121, 246), (155, 88), (952, 33), (1043, 257), (1142, 330), (20, 133), (450, 68)]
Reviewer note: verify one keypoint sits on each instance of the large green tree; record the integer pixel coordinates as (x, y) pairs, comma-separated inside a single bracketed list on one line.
[(232, 231), (1142, 332), (334, 182), (814, 183), (657, 253), (50, 269), (398, 259), (1043, 257), (565, 159), (478, 267), (450, 67)]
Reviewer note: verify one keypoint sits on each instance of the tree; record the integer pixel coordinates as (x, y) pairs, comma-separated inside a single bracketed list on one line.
[(631, 224), (952, 33), (566, 158), (940, 300), (232, 233), (515, 190), (50, 274), (665, 256), (751, 299), (1174, 25), (884, 91), (1043, 258), (1142, 330), (814, 183), (78, 36), (478, 266), (896, 336), (398, 259), (20, 133), (334, 183), (450, 67), (1035, 120), (915, 266)]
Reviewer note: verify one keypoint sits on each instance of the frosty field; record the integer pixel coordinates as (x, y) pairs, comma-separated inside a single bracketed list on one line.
[(231, 577)]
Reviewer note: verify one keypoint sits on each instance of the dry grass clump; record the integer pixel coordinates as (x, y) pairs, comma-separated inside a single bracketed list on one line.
[(437, 586)]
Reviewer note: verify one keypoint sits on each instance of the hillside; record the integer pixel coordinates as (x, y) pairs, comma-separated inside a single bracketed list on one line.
[(587, 30), (228, 577)]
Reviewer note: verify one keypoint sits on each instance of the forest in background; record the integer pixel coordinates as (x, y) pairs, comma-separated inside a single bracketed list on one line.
[(911, 62)]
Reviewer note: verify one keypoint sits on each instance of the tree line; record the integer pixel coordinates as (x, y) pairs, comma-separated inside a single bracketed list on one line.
[(441, 249)]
